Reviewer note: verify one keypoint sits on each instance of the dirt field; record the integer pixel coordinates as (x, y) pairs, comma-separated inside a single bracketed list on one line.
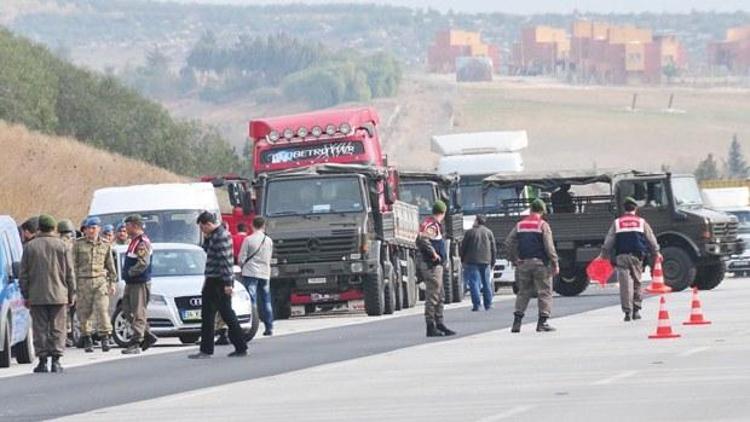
[(43, 174)]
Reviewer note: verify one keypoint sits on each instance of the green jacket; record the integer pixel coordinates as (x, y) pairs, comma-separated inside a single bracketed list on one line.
[(47, 276), (94, 260)]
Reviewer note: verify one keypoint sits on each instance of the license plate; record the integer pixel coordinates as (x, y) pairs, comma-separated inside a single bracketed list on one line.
[(324, 297), (191, 315), (317, 280)]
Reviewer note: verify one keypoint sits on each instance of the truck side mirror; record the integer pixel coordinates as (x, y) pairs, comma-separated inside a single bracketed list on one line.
[(234, 195)]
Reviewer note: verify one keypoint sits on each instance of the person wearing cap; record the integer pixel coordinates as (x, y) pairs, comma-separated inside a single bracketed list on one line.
[(97, 278), (108, 233), (629, 241), (121, 235), (478, 254), (136, 272), (531, 248), (48, 286), (432, 258)]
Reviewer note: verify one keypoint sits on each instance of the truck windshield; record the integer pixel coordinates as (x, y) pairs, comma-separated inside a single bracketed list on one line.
[(314, 195), (420, 194), (475, 201), (175, 262), (171, 226), (686, 192)]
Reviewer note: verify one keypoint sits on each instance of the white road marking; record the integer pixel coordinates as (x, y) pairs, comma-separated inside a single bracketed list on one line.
[(691, 352), (507, 414), (610, 380)]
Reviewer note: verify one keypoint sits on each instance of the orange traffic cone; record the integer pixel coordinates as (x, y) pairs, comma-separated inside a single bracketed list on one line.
[(696, 314), (657, 283), (663, 328)]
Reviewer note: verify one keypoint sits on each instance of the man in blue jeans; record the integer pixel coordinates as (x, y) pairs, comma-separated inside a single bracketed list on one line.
[(255, 260), (478, 253)]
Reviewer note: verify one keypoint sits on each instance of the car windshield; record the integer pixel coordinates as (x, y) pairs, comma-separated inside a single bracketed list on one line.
[(314, 195), (744, 219), (420, 194), (176, 226), (175, 262), (475, 201), (686, 192)]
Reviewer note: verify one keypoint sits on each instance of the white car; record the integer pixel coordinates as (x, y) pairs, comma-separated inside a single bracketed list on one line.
[(174, 309)]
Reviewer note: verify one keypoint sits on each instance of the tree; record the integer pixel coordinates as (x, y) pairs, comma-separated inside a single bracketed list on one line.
[(707, 169), (736, 165)]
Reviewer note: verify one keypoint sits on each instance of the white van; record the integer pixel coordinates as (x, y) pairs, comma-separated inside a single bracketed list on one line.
[(169, 210)]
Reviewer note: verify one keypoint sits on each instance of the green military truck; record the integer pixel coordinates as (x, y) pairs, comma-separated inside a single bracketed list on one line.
[(695, 241), (422, 189), (342, 240)]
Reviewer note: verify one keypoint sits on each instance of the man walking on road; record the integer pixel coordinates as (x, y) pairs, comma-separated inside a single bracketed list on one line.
[(432, 256), (136, 271), (97, 278), (218, 288), (48, 285), (531, 248), (478, 254), (255, 259), (631, 239)]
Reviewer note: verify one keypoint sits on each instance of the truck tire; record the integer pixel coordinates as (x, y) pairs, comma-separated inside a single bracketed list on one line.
[(410, 292), (5, 353), (374, 294), (710, 276), (25, 349), (389, 293), (457, 278), (571, 282), (448, 283), (679, 268), (398, 287), (282, 306)]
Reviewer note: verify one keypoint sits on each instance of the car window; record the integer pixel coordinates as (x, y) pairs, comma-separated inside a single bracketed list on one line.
[(5, 259)]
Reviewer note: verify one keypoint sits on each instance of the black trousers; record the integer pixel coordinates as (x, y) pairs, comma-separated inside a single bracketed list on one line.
[(215, 299)]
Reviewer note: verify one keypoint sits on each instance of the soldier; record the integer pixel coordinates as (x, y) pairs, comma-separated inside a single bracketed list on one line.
[(29, 229), (97, 279), (68, 235), (531, 248), (136, 271), (48, 285), (431, 245), (631, 238), (121, 235), (108, 233)]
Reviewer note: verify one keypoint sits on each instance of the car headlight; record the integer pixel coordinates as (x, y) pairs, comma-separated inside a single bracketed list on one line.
[(157, 300), (357, 267), (241, 294)]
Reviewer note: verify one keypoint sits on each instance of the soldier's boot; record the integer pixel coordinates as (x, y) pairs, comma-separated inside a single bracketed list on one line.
[(223, 339), (105, 343), (542, 325), (636, 315), (56, 367), (627, 317), (148, 341), (445, 330), (41, 368), (517, 319), (432, 330), (88, 345)]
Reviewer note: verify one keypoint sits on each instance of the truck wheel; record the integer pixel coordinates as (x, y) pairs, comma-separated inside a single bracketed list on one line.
[(374, 293), (5, 353), (710, 276), (457, 278), (571, 282), (390, 294), (282, 306), (121, 331), (398, 288), (448, 283), (189, 338), (679, 268), (410, 291), (25, 349)]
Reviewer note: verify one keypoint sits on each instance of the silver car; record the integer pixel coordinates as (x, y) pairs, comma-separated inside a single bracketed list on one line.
[(174, 309)]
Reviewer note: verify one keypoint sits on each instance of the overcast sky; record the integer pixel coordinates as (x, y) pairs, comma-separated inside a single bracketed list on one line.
[(533, 6)]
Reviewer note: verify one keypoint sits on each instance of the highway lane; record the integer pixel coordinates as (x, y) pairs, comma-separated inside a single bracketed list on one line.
[(112, 383)]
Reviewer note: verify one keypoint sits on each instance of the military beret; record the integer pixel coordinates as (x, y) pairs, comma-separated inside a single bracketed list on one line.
[(108, 228), (92, 221)]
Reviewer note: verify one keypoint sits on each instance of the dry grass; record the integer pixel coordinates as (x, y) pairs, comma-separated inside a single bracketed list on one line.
[(55, 175)]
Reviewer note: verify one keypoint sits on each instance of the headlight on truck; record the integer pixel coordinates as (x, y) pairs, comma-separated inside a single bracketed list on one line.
[(357, 267)]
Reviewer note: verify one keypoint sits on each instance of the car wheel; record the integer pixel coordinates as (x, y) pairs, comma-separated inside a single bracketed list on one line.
[(121, 330), (189, 338), (5, 353), (250, 333), (25, 349)]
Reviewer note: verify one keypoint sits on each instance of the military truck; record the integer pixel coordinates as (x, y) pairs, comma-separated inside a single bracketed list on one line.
[(695, 241), (422, 189), (342, 240)]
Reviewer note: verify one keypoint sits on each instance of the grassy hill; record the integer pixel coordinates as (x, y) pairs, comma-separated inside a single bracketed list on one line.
[(55, 175)]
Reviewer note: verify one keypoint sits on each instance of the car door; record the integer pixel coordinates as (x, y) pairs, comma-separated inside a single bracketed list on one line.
[(20, 315)]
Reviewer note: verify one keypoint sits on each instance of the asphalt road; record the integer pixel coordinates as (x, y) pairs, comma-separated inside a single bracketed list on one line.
[(118, 382)]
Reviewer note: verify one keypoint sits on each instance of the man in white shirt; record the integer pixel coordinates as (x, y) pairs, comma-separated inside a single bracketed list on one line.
[(255, 260)]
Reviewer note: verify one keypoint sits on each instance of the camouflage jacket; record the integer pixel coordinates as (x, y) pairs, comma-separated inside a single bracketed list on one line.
[(94, 260)]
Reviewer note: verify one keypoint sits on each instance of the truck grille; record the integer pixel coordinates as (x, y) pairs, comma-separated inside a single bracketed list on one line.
[(726, 231), (316, 249)]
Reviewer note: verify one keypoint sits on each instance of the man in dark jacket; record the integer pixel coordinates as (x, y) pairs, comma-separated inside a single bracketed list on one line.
[(218, 288), (478, 254), (48, 285)]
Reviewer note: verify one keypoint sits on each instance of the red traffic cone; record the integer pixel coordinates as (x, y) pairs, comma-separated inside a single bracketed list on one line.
[(663, 328), (657, 283), (696, 314)]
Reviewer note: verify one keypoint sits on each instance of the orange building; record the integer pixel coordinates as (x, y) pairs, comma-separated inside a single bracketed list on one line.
[(452, 44), (733, 53), (542, 49)]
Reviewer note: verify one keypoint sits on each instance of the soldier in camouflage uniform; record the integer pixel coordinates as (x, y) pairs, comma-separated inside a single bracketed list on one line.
[(97, 279), (121, 235), (67, 234)]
